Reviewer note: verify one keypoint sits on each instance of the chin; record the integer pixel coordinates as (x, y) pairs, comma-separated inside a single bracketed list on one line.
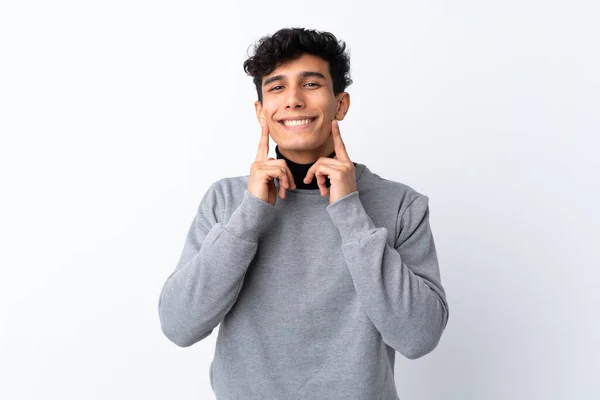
[(301, 143)]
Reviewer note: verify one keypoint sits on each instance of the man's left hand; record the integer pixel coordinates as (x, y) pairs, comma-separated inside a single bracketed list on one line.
[(339, 170)]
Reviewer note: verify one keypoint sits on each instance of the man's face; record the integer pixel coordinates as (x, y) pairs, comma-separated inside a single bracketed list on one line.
[(299, 105)]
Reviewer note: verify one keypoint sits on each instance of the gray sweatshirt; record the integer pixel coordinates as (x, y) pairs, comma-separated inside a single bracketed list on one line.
[(313, 299)]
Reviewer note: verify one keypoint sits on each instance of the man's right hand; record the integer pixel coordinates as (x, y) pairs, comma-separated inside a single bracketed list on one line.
[(264, 170)]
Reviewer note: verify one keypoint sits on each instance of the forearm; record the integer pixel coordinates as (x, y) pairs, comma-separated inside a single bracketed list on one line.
[(209, 276), (409, 311), (197, 296), (400, 288)]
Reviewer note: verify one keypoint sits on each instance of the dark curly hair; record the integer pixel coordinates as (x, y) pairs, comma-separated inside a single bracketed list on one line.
[(288, 44)]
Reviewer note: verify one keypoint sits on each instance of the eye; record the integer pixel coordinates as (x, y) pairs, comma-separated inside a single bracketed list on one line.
[(313, 83), (275, 88)]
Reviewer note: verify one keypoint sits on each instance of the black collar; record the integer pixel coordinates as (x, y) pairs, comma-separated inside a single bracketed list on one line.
[(299, 172)]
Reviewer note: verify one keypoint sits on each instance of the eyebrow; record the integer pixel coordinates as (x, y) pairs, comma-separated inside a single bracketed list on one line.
[(303, 74)]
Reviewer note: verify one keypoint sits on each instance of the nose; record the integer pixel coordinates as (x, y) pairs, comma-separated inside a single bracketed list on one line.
[(294, 99)]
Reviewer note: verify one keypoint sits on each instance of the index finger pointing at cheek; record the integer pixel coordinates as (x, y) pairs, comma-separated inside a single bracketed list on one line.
[(340, 148), (263, 145)]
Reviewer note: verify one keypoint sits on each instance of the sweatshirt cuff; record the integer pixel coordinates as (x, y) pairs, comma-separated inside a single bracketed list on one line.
[(350, 217), (252, 217)]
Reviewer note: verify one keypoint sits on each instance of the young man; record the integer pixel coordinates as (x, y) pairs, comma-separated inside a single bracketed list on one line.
[(315, 290)]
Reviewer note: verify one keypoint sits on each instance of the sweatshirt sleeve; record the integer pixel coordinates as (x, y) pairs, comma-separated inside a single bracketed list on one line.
[(211, 268), (399, 287)]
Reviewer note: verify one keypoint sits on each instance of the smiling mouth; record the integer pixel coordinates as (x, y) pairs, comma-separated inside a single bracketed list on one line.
[(298, 124)]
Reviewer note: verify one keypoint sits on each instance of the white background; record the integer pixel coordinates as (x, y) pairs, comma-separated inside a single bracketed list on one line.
[(117, 115)]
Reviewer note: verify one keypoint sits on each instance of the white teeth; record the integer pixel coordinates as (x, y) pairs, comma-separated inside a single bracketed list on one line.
[(298, 122)]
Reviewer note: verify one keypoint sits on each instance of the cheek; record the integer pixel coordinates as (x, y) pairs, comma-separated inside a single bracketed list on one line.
[(328, 106), (328, 114), (269, 110)]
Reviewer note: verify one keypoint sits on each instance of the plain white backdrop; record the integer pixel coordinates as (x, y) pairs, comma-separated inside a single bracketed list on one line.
[(116, 116)]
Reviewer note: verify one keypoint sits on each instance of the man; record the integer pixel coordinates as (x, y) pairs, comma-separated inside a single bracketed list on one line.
[(316, 290)]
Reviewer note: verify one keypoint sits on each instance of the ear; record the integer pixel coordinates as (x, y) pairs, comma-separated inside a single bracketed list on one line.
[(343, 104), (259, 110)]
